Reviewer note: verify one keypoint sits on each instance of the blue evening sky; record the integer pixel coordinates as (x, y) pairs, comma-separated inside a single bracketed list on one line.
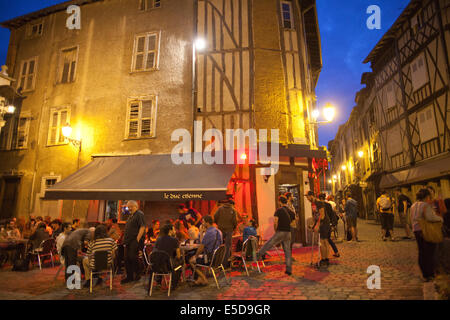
[(346, 42)]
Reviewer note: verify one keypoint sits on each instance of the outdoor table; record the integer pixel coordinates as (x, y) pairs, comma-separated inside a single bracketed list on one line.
[(14, 244), (185, 248)]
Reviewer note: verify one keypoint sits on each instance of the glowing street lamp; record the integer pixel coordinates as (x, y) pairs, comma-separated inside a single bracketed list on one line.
[(67, 133), (334, 177), (344, 167), (329, 112), (10, 109), (200, 44), (315, 114), (360, 153)]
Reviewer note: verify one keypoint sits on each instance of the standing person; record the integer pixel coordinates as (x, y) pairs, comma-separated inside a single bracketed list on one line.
[(403, 205), (321, 225), (282, 226), (294, 223), (384, 207), (74, 242), (226, 220), (422, 209), (332, 218), (134, 233), (437, 203), (351, 216)]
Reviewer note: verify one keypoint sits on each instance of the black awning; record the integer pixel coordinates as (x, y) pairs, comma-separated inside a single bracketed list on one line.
[(430, 170), (145, 177)]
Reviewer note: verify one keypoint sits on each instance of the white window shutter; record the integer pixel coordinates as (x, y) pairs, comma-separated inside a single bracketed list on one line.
[(133, 120), (146, 118)]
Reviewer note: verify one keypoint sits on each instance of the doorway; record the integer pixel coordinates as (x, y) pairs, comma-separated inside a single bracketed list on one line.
[(9, 197)]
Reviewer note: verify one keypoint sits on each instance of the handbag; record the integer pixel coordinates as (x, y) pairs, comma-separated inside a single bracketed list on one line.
[(431, 231)]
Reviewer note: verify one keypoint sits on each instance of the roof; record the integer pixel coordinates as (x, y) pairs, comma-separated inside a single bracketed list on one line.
[(386, 40), (20, 21)]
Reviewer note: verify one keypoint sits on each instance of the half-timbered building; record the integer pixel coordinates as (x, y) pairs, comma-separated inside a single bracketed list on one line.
[(404, 115), (136, 71)]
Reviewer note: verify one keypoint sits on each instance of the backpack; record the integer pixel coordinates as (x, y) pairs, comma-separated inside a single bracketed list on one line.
[(385, 203), (331, 214)]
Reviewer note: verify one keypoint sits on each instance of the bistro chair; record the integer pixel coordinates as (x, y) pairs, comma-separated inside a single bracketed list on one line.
[(146, 252), (216, 263), (249, 248), (161, 265), (44, 250), (101, 266)]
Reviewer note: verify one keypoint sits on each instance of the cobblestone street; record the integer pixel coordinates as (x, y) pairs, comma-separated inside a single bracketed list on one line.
[(344, 279)]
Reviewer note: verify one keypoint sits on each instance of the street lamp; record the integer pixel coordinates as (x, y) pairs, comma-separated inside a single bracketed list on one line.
[(328, 112), (344, 168), (360, 153), (200, 44), (67, 133)]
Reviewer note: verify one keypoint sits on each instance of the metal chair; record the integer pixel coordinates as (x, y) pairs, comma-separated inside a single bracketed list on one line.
[(161, 265), (216, 263), (251, 244), (44, 250), (101, 265), (146, 252)]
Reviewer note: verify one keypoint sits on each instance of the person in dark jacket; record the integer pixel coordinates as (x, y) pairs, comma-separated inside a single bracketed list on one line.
[(39, 235), (226, 220)]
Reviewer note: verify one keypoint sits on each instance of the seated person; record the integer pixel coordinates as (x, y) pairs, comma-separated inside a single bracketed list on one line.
[(186, 214), (113, 228), (56, 226), (181, 232), (101, 242), (242, 224), (250, 230), (153, 232), (212, 239), (39, 235), (168, 243), (12, 231), (67, 229), (193, 231)]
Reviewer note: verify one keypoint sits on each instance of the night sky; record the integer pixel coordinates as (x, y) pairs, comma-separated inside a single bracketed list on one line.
[(346, 42)]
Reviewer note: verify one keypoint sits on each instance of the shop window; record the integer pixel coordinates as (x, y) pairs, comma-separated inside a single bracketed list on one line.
[(286, 12), (146, 52), (27, 76)]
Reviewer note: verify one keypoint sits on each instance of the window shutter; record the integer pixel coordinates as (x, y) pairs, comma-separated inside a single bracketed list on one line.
[(146, 118), (62, 122), (53, 128), (22, 133), (133, 124), (30, 73), (140, 51)]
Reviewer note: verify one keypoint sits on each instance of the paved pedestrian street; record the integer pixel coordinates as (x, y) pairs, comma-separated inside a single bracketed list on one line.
[(345, 278)]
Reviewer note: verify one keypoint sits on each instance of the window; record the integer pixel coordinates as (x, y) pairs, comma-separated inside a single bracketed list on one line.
[(286, 13), (141, 118), (58, 119), (149, 4), (145, 56), (35, 30), (427, 124), (67, 65), (419, 74), (6, 134), (28, 74), (23, 128)]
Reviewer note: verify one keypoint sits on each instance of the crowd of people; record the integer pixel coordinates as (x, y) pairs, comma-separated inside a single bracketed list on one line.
[(77, 246)]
